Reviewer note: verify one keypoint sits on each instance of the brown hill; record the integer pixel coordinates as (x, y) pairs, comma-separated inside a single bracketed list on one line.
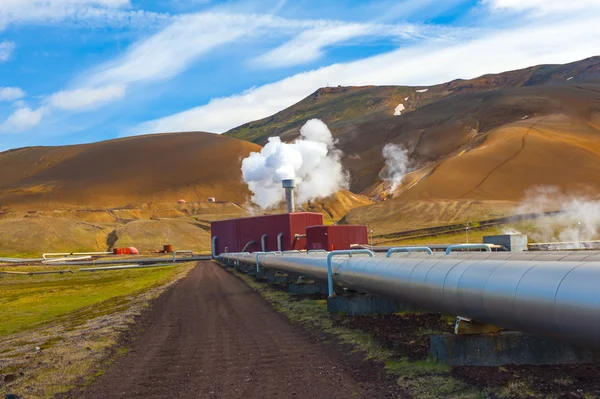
[(135, 170)]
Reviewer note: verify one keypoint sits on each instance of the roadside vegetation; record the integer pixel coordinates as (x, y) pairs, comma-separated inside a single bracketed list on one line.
[(418, 378), (401, 343), (58, 331)]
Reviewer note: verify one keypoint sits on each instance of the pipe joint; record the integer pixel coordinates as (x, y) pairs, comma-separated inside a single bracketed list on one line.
[(337, 253)]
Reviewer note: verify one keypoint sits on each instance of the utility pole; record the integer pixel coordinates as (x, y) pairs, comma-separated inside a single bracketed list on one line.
[(371, 232), (467, 233)]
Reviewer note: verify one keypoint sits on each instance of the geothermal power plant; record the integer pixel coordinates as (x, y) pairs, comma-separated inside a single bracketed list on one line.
[(511, 306)]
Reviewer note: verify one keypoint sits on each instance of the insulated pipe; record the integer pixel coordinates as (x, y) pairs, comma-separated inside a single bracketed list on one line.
[(293, 251), (577, 256), (263, 242), (557, 300), (44, 256), (409, 250), (252, 242), (67, 259), (258, 254), (214, 247), (468, 246), (322, 251), (183, 251), (279, 246), (337, 253)]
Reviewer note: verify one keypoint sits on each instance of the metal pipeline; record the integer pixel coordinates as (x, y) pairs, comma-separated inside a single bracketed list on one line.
[(451, 248), (558, 300), (65, 254), (263, 242), (65, 259), (248, 245), (553, 256), (214, 247), (409, 250), (182, 251)]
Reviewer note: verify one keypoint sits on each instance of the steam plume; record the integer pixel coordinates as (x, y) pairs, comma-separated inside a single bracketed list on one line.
[(397, 164), (312, 160), (579, 220)]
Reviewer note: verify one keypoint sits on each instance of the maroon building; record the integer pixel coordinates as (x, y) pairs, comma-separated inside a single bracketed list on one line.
[(331, 238), (277, 232)]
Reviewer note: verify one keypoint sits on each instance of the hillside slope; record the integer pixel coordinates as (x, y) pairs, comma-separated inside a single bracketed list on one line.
[(341, 107), (135, 170)]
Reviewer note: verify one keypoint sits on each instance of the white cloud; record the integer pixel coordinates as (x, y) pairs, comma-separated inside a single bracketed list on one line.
[(22, 119), (6, 49), (100, 12), (11, 93), (87, 97), (173, 49), (424, 64), (543, 6), (308, 45)]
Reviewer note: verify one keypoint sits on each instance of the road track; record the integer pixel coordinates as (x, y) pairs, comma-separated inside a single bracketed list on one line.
[(211, 336)]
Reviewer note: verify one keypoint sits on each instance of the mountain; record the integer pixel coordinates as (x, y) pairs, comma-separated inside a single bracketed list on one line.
[(474, 146), (340, 106)]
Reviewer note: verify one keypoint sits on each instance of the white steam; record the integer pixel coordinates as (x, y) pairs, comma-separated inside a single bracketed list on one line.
[(312, 160), (578, 221), (397, 164)]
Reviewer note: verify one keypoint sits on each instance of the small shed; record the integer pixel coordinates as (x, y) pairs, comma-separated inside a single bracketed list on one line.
[(332, 238)]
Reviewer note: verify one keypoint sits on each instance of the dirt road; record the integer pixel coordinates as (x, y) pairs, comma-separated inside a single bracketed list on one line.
[(211, 336)]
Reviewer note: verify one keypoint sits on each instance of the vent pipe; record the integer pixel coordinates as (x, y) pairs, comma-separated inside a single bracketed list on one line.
[(288, 186)]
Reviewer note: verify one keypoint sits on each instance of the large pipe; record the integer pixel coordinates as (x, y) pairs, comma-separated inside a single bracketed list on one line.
[(288, 186), (409, 250), (263, 242), (65, 260), (576, 256), (279, 245), (64, 254), (558, 300), (486, 247), (214, 247), (248, 244)]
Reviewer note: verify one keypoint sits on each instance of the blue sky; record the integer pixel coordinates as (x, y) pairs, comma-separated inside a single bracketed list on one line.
[(76, 71)]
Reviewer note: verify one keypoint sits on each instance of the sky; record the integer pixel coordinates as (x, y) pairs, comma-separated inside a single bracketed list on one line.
[(78, 71)]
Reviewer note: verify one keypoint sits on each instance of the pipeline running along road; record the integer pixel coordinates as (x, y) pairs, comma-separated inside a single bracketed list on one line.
[(211, 336)]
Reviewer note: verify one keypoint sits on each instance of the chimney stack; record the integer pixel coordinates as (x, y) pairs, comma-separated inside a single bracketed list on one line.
[(289, 185)]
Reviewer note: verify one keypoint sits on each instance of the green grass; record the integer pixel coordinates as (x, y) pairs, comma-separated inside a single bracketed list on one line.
[(30, 301)]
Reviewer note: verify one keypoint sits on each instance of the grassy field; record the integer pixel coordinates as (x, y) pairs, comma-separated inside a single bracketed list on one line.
[(30, 301), (59, 331)]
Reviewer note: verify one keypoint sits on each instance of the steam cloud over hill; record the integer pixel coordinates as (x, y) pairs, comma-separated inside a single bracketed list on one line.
[(397, 164), (312, 160)]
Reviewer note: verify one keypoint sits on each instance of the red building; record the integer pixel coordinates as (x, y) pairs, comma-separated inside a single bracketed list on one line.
[(278, 232), (331, 238)]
